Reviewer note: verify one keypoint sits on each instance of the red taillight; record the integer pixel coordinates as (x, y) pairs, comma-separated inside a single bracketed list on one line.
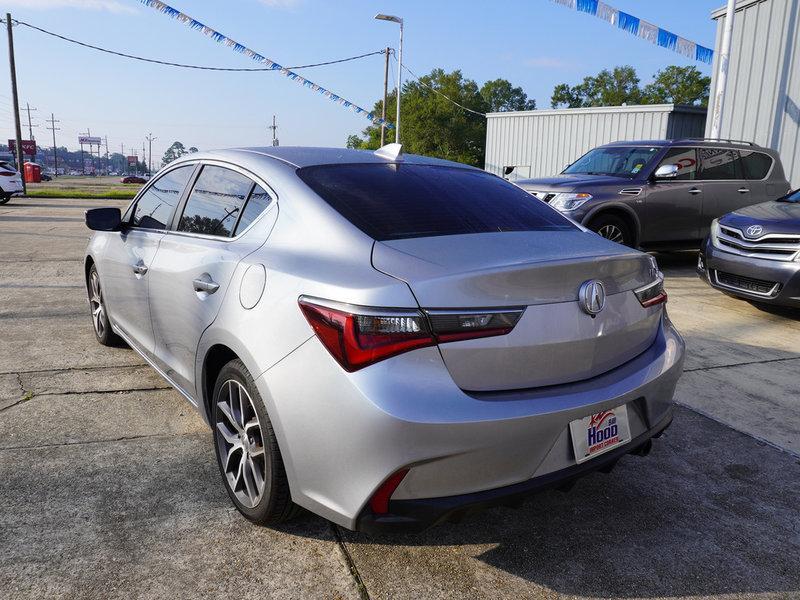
[(358, 340), (360, 336), (7, 173), (379, 503), (652, 294)]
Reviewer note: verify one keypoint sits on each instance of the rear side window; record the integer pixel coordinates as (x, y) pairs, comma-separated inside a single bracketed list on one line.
[(756, 164), (686, 161), (257, 203), (391, 201), (216, 201), (154, 208), (719, 164)]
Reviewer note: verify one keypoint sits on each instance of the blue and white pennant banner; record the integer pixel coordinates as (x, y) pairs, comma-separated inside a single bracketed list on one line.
[(641, 28), (237, 47)]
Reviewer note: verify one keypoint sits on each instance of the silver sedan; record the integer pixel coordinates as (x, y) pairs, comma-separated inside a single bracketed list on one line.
[(386, 340)]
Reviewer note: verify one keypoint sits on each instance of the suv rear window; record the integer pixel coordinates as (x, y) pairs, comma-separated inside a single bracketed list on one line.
[(756, 165), (391, 201)]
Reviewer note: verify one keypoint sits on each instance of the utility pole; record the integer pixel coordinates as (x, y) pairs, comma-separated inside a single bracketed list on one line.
[(53, 128), (722, 73), (385, 93), (106, 143), (150, 139), (30, 127), (144, 156), (15, 100), (274, 128)]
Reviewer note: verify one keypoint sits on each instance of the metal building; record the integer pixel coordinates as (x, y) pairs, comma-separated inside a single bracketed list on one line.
[(538, 143), (762, 95)]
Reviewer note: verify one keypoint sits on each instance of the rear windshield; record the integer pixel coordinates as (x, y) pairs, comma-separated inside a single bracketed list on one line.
[(391, 201)]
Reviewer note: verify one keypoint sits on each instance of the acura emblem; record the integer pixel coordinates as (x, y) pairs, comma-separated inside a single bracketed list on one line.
[(592, 296), (754, 231)]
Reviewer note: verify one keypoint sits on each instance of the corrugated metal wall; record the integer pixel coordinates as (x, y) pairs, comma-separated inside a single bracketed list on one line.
[(762, 99), (542, 142)]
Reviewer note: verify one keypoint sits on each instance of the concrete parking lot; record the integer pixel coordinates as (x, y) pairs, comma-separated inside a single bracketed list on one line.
[(109, 487)]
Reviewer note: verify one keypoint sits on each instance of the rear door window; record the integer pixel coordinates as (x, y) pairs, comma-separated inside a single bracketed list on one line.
[(155, 206), (756, 164), (216, 201), (719, 164), (686, 161), (257, 203), (391, 201)]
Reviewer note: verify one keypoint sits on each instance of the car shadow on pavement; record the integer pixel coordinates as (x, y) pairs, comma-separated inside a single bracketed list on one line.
[(709, 512)]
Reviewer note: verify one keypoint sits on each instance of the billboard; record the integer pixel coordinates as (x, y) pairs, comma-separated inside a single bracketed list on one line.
[(28, 147), (132, 160), (90, 140)]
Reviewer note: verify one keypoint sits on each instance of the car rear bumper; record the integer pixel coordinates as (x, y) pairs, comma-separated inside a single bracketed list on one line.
[(756, 279), (412, 516), (343, 434)]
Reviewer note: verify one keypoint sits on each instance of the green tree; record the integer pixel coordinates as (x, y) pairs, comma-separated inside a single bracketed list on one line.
[(607, 88), (678, 85), (501, 96), (354, 142), (176, 150)]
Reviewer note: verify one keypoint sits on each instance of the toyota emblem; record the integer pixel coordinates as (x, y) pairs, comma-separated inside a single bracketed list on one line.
[(754, 231), (592, 296)]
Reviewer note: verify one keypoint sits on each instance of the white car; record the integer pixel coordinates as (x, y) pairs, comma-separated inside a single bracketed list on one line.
[(10, 181)]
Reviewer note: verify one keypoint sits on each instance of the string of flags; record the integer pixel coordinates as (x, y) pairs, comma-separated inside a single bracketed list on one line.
[(641, 28), (270, 64)]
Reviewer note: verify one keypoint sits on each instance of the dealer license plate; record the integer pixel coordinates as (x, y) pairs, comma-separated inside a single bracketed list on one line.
[(600, 432)]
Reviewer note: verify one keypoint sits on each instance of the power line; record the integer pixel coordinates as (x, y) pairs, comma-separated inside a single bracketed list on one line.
[(434, 90), (185, 66)]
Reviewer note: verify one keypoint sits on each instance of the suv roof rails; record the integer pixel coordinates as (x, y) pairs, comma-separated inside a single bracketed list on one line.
[(702, 139)]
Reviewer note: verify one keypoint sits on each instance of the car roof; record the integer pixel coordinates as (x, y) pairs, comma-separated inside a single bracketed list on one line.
[(306, 156), (704, 142)]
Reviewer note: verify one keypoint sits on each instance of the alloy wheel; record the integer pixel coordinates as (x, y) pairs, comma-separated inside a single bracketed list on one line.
[(240, 443), (612, 232), (96, 304)]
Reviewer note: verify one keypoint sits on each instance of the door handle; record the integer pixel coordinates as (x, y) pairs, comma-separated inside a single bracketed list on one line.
[(140, 268), (743, 190), (205, 285), (695, 191)]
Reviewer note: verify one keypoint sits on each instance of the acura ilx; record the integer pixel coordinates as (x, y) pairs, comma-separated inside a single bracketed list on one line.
[(387, 340)]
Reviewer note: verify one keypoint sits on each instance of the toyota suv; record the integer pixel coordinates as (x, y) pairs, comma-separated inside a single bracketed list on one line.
[(662, 193)]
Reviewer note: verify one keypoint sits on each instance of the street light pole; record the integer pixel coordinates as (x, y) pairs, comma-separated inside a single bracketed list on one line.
[(150, 139), (722, 72), (399, 21)]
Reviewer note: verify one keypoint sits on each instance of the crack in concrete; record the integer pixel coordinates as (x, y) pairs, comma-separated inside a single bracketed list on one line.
[(77, 393), (70, 369), (742, 364), (351, 565), (125, 438)]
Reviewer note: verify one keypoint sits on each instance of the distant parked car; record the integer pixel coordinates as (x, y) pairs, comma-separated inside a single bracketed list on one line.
[(386, 340), (754, 253), (10, 181), (133, 179), (662, 193), (46, 177)]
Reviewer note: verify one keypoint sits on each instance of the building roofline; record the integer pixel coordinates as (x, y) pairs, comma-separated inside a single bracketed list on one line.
[(718, 13), (679, 108)]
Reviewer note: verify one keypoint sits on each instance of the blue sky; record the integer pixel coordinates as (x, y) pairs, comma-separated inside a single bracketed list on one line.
[(535, 44)]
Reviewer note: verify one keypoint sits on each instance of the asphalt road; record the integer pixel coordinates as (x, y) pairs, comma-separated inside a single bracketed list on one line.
[(109, 488)]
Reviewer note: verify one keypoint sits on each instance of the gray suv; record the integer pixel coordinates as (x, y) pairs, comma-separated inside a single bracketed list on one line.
[(662, 193)]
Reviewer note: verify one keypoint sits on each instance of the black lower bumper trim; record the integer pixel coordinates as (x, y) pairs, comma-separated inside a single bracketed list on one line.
[(413, 516)]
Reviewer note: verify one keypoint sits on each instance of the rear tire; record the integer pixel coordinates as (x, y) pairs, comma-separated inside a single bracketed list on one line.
[(613, 228), (247, 450), (97, 307)]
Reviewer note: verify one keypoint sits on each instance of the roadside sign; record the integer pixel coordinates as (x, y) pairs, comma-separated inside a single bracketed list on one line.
[(132, 160), (89, 140), (28, 147)]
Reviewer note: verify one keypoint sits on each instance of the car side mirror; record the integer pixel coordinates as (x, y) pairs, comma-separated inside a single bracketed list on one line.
[(104, 219), (666, 172)]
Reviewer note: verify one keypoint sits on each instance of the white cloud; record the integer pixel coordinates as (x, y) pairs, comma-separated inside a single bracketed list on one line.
[(546, 62), (109, 5)]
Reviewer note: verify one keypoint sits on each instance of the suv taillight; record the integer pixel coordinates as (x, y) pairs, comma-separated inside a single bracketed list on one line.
[(358, 336)]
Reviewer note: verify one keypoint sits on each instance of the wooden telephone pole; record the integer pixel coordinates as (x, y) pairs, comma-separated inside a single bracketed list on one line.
[(15, 100)]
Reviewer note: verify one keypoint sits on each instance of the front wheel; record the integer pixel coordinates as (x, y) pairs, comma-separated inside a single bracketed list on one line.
[(247, 449), (612, 228), (4, 198), (102, 326)]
